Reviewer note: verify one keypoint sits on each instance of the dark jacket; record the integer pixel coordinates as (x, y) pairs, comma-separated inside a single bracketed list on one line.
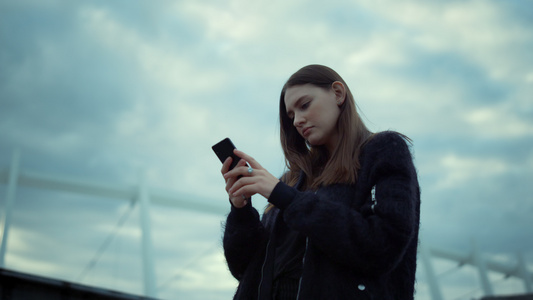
[(358, 247)]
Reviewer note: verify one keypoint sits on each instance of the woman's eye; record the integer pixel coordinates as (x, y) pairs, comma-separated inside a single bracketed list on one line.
[(305, 105)]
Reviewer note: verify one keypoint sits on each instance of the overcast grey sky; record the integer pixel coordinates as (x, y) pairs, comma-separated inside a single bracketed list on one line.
[(106, 90)]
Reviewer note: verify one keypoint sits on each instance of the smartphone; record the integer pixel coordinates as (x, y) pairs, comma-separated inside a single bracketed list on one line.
[(224, 149)]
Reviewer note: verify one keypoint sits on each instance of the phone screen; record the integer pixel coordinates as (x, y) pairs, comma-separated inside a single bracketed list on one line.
[(224, 149)]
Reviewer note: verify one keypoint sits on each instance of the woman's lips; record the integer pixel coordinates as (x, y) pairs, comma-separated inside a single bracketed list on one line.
[(305, 131)]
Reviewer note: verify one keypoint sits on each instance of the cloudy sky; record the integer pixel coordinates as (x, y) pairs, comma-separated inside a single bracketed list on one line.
[(108, 90)]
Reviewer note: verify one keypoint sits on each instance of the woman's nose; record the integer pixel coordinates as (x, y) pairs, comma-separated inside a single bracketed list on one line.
[(298, 120)]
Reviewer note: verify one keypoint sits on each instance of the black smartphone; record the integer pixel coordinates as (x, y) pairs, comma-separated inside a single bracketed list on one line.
[(224, 149)]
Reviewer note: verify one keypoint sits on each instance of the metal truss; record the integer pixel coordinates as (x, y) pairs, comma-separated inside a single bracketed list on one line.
[(140, 193)]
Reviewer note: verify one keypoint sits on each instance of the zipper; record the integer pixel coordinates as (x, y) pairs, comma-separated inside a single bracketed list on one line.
[(303, 262), (374, 200), (262, 271)]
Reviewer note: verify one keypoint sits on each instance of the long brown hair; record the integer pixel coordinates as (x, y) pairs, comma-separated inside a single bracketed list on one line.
[(321, 167)]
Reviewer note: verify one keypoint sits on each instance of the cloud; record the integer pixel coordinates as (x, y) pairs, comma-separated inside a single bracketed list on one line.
[(484, 32), (499, 122), (460, 170), (158, 60)]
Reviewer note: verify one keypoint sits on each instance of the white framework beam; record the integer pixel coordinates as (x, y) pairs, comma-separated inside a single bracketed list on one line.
[(12, 180), (146, 236), (106, 190), (14, 177)]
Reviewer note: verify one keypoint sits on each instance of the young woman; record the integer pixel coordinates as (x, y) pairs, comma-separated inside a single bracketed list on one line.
[(342, 223)]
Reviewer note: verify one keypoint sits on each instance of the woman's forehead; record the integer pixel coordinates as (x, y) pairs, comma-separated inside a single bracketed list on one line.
[(294, 93)]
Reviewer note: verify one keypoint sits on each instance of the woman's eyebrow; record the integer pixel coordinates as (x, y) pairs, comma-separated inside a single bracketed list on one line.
[(297, 103)]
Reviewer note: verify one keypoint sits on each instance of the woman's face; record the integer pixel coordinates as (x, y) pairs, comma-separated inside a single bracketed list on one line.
[(315, 111)]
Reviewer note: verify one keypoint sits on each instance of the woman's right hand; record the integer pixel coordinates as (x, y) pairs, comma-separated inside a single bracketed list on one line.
[(237, 201)]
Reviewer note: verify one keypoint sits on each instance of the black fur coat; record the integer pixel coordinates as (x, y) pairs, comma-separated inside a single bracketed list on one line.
[(358, 246)]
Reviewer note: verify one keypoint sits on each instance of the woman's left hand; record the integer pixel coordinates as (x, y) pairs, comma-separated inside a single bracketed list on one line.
[(259, 181)]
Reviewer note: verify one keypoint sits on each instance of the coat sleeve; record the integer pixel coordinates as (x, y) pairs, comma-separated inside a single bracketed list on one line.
[(371, 243), (243, 233)]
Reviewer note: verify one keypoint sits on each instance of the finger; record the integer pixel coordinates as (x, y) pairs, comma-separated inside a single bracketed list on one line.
[(248, 190), (229, 184), (243, 171), (240, 170), (226, 164), (253, 163), (239, 202), (241, 163), (236, 185), (232, 176), (248, 182)]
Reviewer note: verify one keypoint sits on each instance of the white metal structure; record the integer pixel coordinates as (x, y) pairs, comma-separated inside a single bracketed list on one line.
[(14, 177)]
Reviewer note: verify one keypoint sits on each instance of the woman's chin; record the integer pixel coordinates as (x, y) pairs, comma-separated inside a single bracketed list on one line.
[(314, 142)]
